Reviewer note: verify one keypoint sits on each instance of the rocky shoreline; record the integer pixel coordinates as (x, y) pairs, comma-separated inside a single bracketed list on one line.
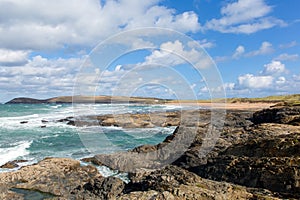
[(256, 156)]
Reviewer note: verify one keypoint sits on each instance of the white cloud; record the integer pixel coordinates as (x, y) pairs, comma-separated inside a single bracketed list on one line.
[(269, 81), (255, 82), (206, 44), (244, 16), (274, 68), (44, 25), (118, 68), (239, 51), (13, 58), (165, 55), (289, 57), (225, 87), (288, 45), (229, 86), (265, 48), (40, 77), (281, 80), (296, 77), (175, 53)]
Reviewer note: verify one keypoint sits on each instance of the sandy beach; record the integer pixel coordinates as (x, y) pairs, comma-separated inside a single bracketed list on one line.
[(231, 106)]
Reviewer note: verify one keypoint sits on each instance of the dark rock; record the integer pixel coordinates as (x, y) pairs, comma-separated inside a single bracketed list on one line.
[(268, 157), (101, 188), (281, 146), (71, 123), (23, 122), (43, 126), (66, 119), (92, 160), (173, 182), (238, 119), (12, 164), (44, 121), (276, 174), (282, 115)]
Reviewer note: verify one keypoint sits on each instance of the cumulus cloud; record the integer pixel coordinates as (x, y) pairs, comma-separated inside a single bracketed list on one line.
[(272, 80), (274, 68), (244, 16), (255, 82), (53, 24), (13, 58), (40, 77), (175, 53), (166, 55)]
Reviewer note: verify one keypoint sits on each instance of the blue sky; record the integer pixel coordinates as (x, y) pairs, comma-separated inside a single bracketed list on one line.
[(44, 46)]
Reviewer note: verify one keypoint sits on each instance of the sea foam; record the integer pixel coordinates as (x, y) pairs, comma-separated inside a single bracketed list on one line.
[(12, 153)]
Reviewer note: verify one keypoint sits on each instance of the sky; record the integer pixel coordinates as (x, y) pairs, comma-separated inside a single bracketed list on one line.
[(194, 49)]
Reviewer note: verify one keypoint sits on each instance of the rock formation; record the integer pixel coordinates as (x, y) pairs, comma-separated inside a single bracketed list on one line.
[(58, 178), (256, 156)]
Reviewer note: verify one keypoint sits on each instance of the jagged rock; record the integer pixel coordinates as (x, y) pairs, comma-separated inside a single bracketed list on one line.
[(12, 164), (92, 160), (173, 182), (100, 188), (282, 115), (281, 146), (276, 174), (268, 158), (58, 177), (151, 156)]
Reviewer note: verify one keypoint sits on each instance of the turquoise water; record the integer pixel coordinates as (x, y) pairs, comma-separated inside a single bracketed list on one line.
[(31, 141)]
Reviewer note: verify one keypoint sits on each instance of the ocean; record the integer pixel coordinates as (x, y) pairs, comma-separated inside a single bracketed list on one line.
[(31, 132)]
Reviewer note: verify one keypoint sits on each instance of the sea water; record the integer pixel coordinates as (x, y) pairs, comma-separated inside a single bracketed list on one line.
[(31, 131)]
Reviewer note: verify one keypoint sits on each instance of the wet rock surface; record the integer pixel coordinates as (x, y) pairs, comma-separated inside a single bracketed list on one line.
[(60, 178), (12, 164), (137, 120)]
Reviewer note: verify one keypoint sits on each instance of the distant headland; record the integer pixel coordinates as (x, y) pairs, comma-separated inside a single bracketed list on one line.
[(87, 99)]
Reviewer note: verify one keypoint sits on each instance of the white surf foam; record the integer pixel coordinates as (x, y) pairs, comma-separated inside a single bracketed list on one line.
[(106, 172), (12, 153)]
